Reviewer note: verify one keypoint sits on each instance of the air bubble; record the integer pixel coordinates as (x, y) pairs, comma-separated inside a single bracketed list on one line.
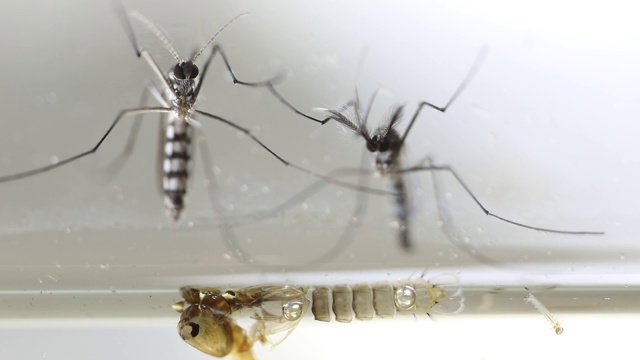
[(405, 297), (292, 310)]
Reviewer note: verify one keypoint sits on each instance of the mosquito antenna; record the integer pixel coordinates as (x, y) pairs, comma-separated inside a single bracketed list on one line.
[(216, 34), (164, 38), (396, 116)]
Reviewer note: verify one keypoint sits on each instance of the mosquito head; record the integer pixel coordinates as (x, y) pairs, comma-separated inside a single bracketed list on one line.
[(379, 143), (183, 78), (186, 70)]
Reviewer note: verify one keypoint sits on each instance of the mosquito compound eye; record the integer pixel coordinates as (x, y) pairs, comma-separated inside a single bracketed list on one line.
[(186, 71), (370, 147), (189, 69), (384, 145), (177, 72)]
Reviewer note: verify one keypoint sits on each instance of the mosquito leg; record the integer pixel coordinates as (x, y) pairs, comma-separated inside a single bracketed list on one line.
[(160, 153), (286, 103), (113, 169), (266, 83), (123, 113), (218, 49), (359, 211), (474, 69), (226, 230), (466, 188), (448, 228), (121, 12), (345, 238), (289, 164)]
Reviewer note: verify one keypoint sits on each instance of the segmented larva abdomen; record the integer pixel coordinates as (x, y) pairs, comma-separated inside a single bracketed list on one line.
[(382, 299)]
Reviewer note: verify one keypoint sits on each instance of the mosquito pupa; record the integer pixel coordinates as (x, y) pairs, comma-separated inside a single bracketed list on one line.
[(176, 94), (531, 299), (210, 317)]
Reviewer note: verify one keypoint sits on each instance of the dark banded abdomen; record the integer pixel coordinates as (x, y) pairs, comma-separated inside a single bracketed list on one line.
[(401, 210), (175, 166)]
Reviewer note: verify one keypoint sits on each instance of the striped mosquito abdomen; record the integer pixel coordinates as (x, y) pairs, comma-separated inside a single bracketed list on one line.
[(401, 210), (382, 299), (387, 142), (175, 168)]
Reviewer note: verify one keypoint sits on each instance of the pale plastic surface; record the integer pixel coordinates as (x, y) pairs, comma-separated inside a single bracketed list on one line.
[(545, 134)]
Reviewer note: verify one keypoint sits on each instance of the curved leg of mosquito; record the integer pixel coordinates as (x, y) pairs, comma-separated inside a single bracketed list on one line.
[(286, 103), (359, 211), (277, 210), (447, 224), (291, 165), (343, 242), (112, 170), (470, 74), (218, 49), (466, 188), (226, 230), (162, 129), (123, 113)]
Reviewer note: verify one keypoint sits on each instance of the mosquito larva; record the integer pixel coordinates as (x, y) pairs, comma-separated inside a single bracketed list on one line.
[(531, 299), (208, 315)]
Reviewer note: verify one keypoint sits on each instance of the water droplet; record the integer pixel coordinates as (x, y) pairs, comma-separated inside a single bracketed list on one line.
[(467, 240), (266, 190), (67, 230), (292, 310), (190, 224), (622, 256), (226, 256), (304, 206), (104, 266), (113, 290), (244, 188), (405, 297), (54, 159)]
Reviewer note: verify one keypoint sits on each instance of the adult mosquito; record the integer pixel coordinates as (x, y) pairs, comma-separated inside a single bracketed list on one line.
[(386, 145), (176, 95)]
